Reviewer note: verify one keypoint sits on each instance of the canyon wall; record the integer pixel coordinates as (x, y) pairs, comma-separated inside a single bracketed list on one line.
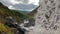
[(47, 18)]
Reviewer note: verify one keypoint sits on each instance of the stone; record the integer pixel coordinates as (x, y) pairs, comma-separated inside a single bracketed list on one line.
[(47, 18)]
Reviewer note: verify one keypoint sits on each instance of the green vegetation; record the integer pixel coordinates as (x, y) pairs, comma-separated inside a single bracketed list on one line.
[(25, 12), (17, 15), (5, 12), (5, 29)]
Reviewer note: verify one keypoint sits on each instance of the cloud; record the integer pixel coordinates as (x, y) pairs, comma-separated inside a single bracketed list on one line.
[(24, 7), (15, 2), (20, 4), (35, 2), (5, 2)]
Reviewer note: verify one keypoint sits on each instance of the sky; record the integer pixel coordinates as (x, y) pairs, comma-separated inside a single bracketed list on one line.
[(25, 5)]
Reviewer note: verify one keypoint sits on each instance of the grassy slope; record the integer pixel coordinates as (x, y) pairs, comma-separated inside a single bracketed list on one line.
[(5, 12)]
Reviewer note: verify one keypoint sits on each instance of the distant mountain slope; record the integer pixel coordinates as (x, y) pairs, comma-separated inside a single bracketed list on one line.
[(24, 12)]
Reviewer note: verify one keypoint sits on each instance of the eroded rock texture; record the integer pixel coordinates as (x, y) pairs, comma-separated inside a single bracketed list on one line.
[(47, 18)]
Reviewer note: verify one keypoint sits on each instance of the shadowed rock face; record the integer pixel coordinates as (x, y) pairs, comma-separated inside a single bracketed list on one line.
[(33, 12), (47, 18), (30, 23)]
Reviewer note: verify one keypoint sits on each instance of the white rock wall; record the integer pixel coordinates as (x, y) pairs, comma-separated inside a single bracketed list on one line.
[(47, 18)]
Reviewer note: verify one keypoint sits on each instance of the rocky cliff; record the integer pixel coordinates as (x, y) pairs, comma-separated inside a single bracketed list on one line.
[(47, 18)]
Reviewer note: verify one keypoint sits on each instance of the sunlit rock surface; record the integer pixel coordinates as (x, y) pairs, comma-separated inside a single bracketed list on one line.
[(47, 18)]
